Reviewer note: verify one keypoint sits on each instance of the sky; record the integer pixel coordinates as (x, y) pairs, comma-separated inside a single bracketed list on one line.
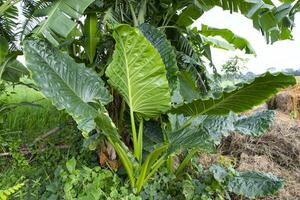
[(280, 55)]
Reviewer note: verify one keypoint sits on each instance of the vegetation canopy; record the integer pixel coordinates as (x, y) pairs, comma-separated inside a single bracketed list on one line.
[(134, 75)]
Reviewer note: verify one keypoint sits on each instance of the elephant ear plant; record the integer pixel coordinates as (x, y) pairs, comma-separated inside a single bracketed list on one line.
[(140, 72)]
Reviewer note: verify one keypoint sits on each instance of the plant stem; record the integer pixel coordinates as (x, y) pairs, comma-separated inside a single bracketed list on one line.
[(155, 167), (134, 134), (135, 20), (187, 123), (121, 117), (185, 162), (170, 164), (149, 163), (124, 159), (140, 141), (142, 12)]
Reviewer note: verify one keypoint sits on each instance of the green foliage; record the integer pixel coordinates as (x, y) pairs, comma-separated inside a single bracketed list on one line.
[(4, 194), (229, 36), (186, 136), (274, 21), (234, 65), (3, 48), (59, 18), (255, 125), (158, 63), (159, 40), (138, 73), (255, 184), (87, 183), (75, 85), (233, 39), (13, 71), (247, 96), (91, 35)]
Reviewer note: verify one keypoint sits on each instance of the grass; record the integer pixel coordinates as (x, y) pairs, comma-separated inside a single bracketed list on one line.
[(31, 121), (21, 127)]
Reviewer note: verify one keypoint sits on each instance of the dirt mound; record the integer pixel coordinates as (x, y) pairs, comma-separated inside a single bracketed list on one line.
[(278, 152), (287, 101)]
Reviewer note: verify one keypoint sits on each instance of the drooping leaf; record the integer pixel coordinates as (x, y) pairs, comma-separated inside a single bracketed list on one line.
[(60, 18), (13, 71), (152, 135), (218, 126), (218, 172), (138, 73), (275, 22), (91, 36), (255, 184), (222, 126), (190, 13), (159, 40), (256, 124), (229, 36), (69, 85), (3, 48), (240, 99), (188, 88), (108, 128), (188, 138)]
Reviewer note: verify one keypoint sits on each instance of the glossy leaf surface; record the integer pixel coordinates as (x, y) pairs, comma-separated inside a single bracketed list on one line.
[(59, 18), (239, 100), (69, 85), (13, 71), (159, 40), (138, 73), (256, 124), (255, 184)]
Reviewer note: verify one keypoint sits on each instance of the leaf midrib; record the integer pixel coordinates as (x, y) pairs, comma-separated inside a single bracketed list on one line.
[(53, 10), (64, 82), (222, 99)]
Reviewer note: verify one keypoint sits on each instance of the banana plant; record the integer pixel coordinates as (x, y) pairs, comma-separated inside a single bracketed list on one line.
[(139, 73)]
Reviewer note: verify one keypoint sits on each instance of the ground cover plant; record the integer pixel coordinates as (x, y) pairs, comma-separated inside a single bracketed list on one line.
[(133, 76)]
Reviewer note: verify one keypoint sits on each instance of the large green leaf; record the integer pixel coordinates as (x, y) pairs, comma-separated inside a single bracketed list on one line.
[(255, 184), (60, 18), (138, 73), (69, 85), (187, 86), (218, 126), (190, 137), (159, 40), (222, 126), (229, 36), (256, 124), (193, 136), (108, 128), (152, 135), (13, 71), (240, 99)]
